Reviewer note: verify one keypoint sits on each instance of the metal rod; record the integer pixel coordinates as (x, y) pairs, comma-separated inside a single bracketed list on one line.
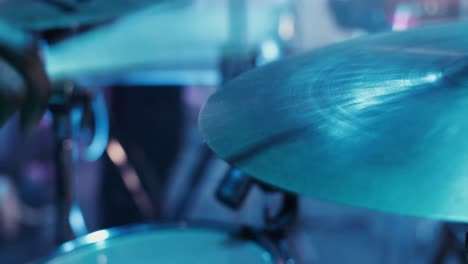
[(238, 22), (63, 166)]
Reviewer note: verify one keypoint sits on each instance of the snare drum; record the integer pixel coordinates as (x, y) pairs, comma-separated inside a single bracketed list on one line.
[(170, 244)]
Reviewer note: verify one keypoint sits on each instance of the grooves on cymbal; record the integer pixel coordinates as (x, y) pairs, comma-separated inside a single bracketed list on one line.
[(377, 122)]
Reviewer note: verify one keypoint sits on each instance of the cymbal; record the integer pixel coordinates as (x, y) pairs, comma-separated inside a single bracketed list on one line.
[(159, 42), (50, 14), (379, 122)]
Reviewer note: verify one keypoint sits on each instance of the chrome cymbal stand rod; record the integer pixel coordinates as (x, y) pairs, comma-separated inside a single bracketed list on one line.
[(237, 22), (60, 107), (466, 247), (63, 99)]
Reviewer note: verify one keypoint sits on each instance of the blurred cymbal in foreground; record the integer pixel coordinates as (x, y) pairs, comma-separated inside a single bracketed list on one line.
[(188, 39), (51, 14)]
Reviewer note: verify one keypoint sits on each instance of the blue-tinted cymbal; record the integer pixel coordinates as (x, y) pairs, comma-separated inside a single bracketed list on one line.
[(50, 14), (379, 122)]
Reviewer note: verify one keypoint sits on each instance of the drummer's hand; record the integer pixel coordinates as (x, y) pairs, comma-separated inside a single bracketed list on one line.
[(24, 84)]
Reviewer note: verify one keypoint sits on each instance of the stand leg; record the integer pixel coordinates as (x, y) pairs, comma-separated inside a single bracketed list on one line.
[(194, 183), (63, 167)]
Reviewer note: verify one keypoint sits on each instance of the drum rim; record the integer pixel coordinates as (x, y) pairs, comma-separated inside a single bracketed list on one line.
[(254, 235)]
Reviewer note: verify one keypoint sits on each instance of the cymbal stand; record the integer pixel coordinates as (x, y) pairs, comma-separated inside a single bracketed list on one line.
[(61, 104), (278, 225), (234, 188), (466, 247), (450, 248)]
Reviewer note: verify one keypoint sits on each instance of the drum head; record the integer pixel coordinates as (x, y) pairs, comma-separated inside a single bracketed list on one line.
[(167, 246)]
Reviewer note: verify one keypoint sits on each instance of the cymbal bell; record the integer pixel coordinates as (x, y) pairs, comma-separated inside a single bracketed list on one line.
[(45, 14), (379, 122)]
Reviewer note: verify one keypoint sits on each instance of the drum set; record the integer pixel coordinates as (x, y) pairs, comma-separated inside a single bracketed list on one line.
[(377, 122)]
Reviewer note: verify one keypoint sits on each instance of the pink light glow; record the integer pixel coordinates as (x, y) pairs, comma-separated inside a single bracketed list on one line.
[(402, 18)]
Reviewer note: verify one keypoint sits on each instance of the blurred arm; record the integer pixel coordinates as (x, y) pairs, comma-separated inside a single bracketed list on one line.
[(23, 82)]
